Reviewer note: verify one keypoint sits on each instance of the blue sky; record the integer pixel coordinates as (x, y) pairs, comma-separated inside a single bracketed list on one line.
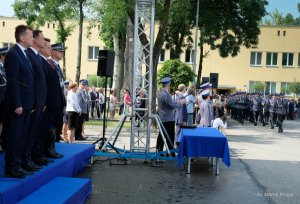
[(284, 6)]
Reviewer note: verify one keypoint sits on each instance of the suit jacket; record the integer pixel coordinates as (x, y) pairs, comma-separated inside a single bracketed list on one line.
[(166, 106), (19, 68), (84, 100), (55, 98), (281, 106), (39, 78)]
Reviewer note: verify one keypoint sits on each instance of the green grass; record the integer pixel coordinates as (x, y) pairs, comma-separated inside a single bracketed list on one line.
[(109, 123)]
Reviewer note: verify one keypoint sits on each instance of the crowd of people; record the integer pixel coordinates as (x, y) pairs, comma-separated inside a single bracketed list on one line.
[(191, 106)]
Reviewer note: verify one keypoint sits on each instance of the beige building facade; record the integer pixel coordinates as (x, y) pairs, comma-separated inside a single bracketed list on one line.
[(90, 44), (275, 61)]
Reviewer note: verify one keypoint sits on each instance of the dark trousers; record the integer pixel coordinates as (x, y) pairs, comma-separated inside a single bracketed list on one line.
[(78, 130), (44, 139), (92, 108), (16, 138), (34, 124), (170, 128), (280, 121), (272, 119), (255, 116)]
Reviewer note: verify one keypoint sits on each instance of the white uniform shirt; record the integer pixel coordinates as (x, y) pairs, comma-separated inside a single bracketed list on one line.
[(219, 123), (72, 102)]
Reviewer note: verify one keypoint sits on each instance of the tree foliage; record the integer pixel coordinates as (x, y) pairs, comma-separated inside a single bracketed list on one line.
[(180, 72), (277, 18), (227, 25), (180, 25), (294, 88), (38, 12), (259, 86)]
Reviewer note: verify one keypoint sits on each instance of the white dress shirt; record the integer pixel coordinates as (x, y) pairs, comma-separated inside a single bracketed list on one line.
[(72, 103), (219, 123)]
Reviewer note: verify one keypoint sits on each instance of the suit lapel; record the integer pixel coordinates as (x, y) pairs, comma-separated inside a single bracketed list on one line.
[(20, 52)]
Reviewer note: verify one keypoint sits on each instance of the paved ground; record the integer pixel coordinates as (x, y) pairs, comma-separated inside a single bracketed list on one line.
[(265, 168)]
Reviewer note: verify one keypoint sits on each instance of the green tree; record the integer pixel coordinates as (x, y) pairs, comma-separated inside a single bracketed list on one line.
[(38, 12), (96, 81), (180, 72), (259, 86), (277, 18), (294, 88), (180, 25), (228, 25)]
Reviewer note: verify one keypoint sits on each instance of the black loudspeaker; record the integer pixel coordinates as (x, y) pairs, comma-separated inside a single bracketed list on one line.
[(214, 78), (205, 80), (106, 60)]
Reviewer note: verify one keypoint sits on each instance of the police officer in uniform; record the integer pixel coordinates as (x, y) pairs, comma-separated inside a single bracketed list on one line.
[(166, 107), (256, 107), (271, 104), (3, 79), (281, 110)]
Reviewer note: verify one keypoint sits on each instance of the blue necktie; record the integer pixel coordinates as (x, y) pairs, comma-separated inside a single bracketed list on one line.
[(27, 57)]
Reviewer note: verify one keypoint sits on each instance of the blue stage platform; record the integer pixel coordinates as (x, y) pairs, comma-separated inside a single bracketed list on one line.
[(76, 158)]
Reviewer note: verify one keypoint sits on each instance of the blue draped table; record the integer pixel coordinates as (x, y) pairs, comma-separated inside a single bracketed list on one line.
[(202, 142)]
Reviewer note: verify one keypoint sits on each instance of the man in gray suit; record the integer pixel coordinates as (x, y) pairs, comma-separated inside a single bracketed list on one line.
[(84, 103), (281, 110), (166, 107)]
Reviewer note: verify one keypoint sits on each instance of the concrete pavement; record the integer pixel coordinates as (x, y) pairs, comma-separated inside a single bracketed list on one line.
[(264, 169)]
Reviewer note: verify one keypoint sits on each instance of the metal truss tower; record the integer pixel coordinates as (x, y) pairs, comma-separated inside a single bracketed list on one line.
[(142, 76), (141, 117)]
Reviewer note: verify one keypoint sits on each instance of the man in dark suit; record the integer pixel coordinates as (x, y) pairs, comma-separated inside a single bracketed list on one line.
[(40, 97), (3, 80), (54, 103), (21, 98)]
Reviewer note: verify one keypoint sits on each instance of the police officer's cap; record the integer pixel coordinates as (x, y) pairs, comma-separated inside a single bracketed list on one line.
[(58, 47), (206, 85), (4, 50), (84, 82), (205, 93), (67, 82), (165, 80), (281, 94)]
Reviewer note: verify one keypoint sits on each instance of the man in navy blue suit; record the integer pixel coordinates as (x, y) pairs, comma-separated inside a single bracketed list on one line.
[(3, 80), (21, 97), (40, 98), (54, 103)]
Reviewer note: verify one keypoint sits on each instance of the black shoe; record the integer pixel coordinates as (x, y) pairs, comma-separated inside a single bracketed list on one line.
[(272, 127), (41, 162), (25, 172), (255, 124), (80, 138), (14, 174), (52, 154)]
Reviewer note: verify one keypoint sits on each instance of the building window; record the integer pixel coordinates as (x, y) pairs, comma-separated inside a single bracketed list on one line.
[(252, 86), (189, 56), (172, 53), (255, 58), (53, 25), (272, 58), (285, 88), (93, 53), (98, 27), (48, 25), (3, 24), (287, 59), (284, 33), (298, 59), (270, 87), (162, 55), (278, 33)]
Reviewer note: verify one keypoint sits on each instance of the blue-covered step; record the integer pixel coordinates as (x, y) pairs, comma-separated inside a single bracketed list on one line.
[(61, 190)]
